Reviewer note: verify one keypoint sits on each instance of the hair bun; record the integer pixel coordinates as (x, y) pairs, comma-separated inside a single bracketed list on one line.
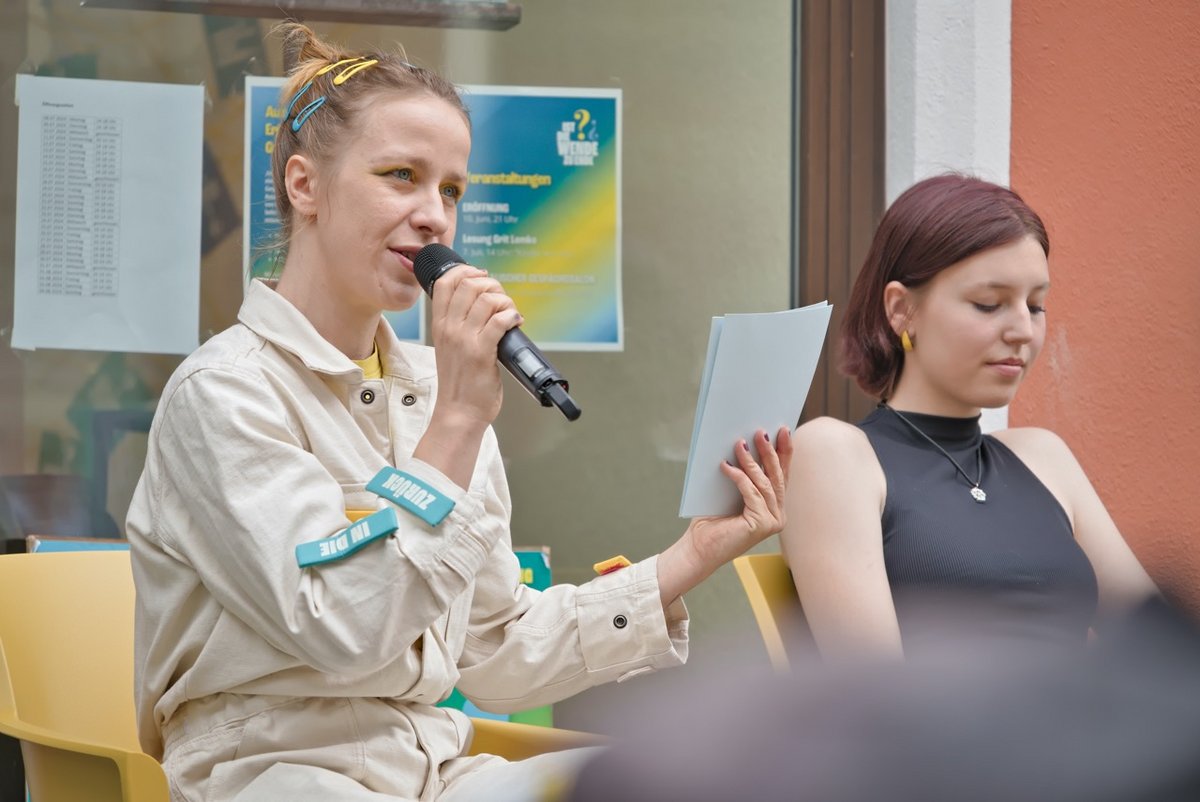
[(301, 45)]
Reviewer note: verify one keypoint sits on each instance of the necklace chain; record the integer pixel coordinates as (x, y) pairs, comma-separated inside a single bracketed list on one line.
[(977, 492)]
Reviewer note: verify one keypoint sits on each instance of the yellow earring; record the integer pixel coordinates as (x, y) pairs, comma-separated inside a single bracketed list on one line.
[(905, 340)]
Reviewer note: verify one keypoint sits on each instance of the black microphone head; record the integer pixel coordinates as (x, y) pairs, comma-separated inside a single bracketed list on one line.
[(432, 261)]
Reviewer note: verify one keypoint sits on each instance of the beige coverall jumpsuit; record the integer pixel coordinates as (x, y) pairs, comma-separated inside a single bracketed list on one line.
[(245, 662)]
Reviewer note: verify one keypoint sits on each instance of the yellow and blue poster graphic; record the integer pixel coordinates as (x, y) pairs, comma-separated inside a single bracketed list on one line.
[(264, 114), (541, 212), (542, 209)]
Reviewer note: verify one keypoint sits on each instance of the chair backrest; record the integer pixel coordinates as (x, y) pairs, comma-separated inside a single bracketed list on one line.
[(66, 621), (66, 633), (772, 593)]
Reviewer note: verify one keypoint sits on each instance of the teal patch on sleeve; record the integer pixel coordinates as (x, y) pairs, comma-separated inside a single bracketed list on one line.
[(345, 543), (410, 493)]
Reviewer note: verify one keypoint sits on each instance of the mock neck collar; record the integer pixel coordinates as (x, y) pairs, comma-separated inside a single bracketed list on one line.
[(943, 429)]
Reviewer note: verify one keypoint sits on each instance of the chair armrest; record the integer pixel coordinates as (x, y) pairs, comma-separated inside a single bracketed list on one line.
[(142, 776), (516, 741), (14, 727)]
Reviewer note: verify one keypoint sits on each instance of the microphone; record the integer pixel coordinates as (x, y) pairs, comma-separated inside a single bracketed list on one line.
[(516, 352)]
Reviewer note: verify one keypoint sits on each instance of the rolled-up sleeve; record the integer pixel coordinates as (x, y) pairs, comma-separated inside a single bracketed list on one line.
[(622, 623), (526, 648)]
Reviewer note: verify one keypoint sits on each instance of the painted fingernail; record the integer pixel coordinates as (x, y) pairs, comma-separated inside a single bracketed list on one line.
[(743, 445)]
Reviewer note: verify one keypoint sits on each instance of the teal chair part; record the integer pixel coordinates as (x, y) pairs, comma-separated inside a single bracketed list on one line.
[(38, 544)]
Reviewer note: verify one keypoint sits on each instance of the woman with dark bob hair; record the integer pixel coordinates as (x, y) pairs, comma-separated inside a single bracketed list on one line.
[(915, 502)]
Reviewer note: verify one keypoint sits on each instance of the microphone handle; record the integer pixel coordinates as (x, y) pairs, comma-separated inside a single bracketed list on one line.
[(529, 366), (516, 352)]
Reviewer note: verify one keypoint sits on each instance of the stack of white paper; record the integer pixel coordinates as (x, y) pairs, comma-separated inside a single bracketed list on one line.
[(756, 376)]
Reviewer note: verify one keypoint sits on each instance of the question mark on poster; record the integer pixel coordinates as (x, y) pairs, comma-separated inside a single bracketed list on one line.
[(582, 117)]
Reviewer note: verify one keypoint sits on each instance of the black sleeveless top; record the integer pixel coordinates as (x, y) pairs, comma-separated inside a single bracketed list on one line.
[(1011, 561)]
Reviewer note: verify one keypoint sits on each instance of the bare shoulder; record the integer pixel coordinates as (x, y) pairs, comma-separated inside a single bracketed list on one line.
[(836, 493), (830, 453), (1033, 444), (829, 438), (1050, 459)]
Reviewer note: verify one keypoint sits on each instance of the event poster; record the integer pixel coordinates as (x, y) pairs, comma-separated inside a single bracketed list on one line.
[(541, 212), (262, 218)]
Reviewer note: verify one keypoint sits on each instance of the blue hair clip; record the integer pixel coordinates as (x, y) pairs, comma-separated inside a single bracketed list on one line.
[(296, 97), (306, 112)]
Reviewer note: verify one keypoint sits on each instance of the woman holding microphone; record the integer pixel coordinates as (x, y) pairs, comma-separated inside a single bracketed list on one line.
[(286, 652)]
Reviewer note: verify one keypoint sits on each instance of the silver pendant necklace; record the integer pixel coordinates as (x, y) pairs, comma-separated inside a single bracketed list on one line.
[(976, 491)]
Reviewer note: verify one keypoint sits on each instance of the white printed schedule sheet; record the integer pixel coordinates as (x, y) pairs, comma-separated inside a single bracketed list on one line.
[(108, 215)]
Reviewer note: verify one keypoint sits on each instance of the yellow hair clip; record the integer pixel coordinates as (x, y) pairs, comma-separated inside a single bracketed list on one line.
[(337, 64), (357, 64), (349, 72)]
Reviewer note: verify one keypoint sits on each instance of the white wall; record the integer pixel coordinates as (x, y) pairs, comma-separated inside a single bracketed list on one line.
[(949, 97)]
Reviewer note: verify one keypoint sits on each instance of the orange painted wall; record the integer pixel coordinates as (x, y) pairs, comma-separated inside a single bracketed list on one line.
[(1106, 146)]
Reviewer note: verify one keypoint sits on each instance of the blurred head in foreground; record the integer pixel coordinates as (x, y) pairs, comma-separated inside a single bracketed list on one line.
[(956, 721)]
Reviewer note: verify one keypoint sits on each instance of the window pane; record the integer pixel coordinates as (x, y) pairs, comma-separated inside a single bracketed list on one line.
[(705, 194)]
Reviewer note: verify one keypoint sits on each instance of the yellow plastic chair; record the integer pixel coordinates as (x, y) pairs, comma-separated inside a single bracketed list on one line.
[(772, 593), (66, 683), (66, 677)]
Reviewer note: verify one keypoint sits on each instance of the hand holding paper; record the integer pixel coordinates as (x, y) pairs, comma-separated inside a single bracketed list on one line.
[(756, 376), (759, 471)]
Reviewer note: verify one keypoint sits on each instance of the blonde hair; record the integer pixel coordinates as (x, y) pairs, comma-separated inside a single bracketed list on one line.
[(329, 123)]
